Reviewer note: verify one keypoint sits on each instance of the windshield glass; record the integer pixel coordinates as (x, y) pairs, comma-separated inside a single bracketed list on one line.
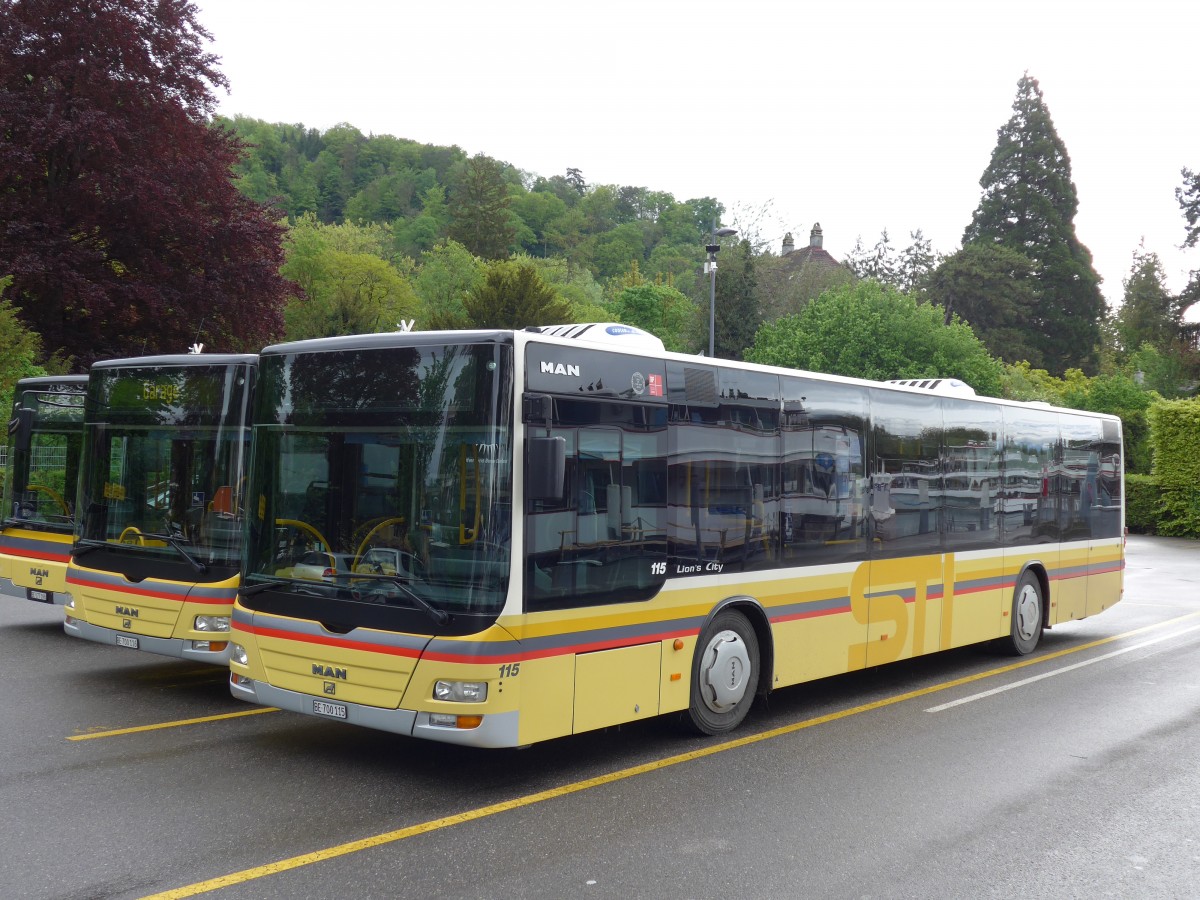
[(382, 477), (164, 450), (41, 477)]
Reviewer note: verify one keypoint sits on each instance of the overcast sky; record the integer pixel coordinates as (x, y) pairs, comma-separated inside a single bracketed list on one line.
[(861, 115)]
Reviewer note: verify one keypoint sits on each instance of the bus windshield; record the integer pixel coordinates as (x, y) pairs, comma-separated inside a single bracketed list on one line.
[(46, 432), (163, 475), (381, 485)]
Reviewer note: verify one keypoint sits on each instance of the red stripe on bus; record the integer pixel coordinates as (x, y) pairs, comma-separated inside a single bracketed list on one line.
[(143, 592), (31, 554)]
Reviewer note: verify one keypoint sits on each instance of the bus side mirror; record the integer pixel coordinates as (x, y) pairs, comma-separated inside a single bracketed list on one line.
[(21, 429), (545, 467)]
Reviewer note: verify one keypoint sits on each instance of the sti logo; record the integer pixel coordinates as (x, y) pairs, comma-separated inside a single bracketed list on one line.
[(553, 368)]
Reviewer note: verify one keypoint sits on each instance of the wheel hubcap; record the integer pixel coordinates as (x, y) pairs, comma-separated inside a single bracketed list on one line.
[(724, 671), (1029, 614)]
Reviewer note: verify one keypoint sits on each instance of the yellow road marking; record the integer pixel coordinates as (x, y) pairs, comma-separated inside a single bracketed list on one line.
[(483, 812), (178, 724)]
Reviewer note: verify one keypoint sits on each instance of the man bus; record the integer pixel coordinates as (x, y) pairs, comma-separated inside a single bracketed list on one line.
[(158, 540), (550, 531), (40, 480)]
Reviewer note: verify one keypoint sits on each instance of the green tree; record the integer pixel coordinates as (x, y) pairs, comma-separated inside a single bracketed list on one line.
[(1121, 396), (916, 263), (1029, 204), (19, 348), (870, 330), (738, 312), (1149, 313), (346, 287), (1189, 202), (447, 275), (479, 208), (513, 295), (660, 310), (574, 284), (994, 290)]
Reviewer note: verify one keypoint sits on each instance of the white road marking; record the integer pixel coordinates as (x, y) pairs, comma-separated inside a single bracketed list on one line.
[(1064, 669)]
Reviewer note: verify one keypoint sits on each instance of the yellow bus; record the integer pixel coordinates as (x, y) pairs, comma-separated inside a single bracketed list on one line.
[(41, 476), (157, 553), (538, 533)]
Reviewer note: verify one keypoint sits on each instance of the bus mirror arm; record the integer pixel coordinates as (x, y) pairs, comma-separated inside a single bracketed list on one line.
[(546, 467)]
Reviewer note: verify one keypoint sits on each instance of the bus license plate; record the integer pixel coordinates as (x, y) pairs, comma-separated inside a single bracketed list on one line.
[(39, 596), (125, 640), (334, 710)]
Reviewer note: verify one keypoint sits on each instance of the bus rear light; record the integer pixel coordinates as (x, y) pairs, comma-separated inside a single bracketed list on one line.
[(442, 720)]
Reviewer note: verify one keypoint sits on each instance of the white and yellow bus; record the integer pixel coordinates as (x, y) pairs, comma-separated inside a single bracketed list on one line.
[(41, 477), (157, 554), (538, 533)]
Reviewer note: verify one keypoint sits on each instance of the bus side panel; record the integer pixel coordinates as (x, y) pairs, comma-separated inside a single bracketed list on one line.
[(547, 697), (902, 608), (813, 625), (1070, 582), (978, 608), (1106, 571), (615, 686)]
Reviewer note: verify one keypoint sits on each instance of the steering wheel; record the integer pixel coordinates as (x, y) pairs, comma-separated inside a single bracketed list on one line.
[(304, 526), (362, 548), (132, 535), (54, 495)]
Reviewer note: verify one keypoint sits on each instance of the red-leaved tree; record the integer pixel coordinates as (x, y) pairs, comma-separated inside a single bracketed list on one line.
[(118, 219)]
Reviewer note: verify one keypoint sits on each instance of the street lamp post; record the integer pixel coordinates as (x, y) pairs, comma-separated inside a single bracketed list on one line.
[(710, 268)]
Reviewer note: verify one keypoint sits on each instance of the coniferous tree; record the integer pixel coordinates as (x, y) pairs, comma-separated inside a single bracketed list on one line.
[(513, 295), (917, 261), (1029, 204), (738, 314), (994, 290), (479, 209), (1149, 313), (1189, 201)]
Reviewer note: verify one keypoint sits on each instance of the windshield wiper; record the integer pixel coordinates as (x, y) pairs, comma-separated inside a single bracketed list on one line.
[(283, 584), (87, 545), (179, 548), (438, 615)]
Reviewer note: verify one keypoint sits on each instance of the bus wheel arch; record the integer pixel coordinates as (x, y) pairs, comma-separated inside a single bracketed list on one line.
[(732, 663), (1030, 612)]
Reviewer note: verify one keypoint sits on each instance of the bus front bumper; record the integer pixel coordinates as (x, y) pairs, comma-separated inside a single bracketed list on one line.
[(496, 730), (179, 648)]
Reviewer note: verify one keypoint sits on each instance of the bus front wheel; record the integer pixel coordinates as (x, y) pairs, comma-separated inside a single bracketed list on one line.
[(1028, 608), (724, 674)]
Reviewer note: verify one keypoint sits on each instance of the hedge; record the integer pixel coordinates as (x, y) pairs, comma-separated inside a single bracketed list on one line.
[(1175, 440), (1141, 504)]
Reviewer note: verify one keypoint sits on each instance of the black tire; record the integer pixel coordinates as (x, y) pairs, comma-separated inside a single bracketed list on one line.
[(1028, 616), (728, 647)]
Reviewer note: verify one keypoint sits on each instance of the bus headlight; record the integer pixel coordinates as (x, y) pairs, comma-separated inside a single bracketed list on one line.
[(461, 691), (237, 654), (212, 623)]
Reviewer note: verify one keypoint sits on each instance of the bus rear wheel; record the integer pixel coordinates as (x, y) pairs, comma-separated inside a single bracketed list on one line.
[(1028, 609), (724, 674)]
